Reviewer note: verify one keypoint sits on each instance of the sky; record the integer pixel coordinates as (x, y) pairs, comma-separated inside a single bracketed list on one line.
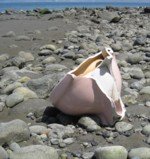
[(75, 0)]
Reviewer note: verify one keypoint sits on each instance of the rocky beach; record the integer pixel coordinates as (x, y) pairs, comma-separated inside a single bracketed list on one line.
[(37, 48)]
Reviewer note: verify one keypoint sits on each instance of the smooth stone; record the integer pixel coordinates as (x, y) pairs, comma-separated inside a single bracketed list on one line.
[(26, 55), (89, 124), (136, 73), (18, 61), (14, 131), (11, 87), (69, 141), (14, 99), (38, 129), (136, 85), (4, 57), (60, 130), (49, 47), (9, 34), (34, 152), (148, 140), (129, 99), (14, 147), (2, 105), (123, 126), (147, 74), (147, 103), (24, 79), (145, 90), (142, 153), (87, 155), (26, 93), (69, 55), (3, 153), (146, 130), (111, 152), (140, 41), (79, 61), (45, 52), (116, 47), (55, 67), (22, 38), (49, 59), (134, 58)]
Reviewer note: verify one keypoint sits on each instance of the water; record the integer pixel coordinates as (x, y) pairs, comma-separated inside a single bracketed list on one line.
[(63, 5)]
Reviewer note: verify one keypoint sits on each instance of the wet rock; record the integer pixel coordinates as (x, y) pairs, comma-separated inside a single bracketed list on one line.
[(34, 152), (9, 34), (38, 129), (26, 55), (123, 126), (2, 105), (4, 57), (25, 92), (142, 153), (48, 47), (89, 124), (15, 130), (146, 130), (111, 152), (14, 99), (145, 90), (3, 153), (22, 38)]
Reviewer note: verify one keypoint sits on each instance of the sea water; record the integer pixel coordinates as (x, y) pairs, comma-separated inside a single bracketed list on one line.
[(63, 5)]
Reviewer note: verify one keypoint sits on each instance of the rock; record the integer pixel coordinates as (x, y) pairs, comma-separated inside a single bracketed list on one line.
[(116, 47), (24, 79), (115, 20), (145, 90), (142, 153), (87, 155), (26, 55), (134, 58), (69, 141), (79, 61), (41, 86), (146, 130), (106, 15), (3, 153), (148, 140), (25, 92), (136, 73), (11, 87), (4, 57), (2, 105), (137, 85), (69, 55), (45, 52), (14, 147), (140, 41), (14, 99), (39, 107), (147, 103), (49, 47), (60, 130), (34, 152), (18, 61), (88, 124), (55, 68), (22, 38), (123, 126), (147, 10), (9, 34), (111, 152), (49, 59), (44, 11), (38, 129), (14, 131)]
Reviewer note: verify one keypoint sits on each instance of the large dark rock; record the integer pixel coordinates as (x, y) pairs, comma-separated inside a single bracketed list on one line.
[(147, 10)]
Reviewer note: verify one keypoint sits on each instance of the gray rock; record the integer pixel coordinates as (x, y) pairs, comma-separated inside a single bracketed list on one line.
[(48, 47), (4, 57), (145, 90), (49, 59), (45, 52), (38, 129), (26, 93), (14, 147), (87, 155), (136, 73), (116, 47), (147, 103), (106, 15), (140, 41), (123, 126), (18, 61), (60, 130), (55, 68), (79, 61), (3, 153), (26, 55), (9, 34), (111, 152), (69, 55), (34, 152), (146, 130), (22, 38), (148, 140), (134, 58), (142, 153), (89, 124), (11, 87), (42, 86), (136, 85), (14, 99), (2, 105), (69, 141), (14, 131)]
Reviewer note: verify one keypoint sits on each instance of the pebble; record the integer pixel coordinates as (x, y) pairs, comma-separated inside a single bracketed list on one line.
[(142, 153), (123, 126), (3, 153), (14, 131), (45, 52), (11, 87), (111, 152), (146, 130), (87, 155), (145, 90), (4, 57), (69, 141), (136, 73), (49, 59), (48, 47), (26, 55), (22, 38), (38, 129), (147, 103), (2, 105)]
